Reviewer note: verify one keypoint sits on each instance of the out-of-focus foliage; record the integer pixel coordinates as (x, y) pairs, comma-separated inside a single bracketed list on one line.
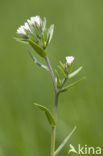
[(78, 32)]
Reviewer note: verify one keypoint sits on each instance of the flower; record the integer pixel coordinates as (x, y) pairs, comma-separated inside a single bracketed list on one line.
[(35, 20), (69, 59), (21, 30), (35, 30)]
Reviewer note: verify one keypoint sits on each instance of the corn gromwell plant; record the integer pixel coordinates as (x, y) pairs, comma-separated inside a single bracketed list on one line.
[(35, 33)]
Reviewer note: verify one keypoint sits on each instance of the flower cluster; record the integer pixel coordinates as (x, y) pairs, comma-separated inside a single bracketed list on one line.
[(35, 30)]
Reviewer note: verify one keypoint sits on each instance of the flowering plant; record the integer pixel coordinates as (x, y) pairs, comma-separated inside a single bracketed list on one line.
[(35, 33)]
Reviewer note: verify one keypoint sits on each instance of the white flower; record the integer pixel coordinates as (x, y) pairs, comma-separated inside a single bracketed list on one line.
[(69, 59), (34, 20), (21, 30)]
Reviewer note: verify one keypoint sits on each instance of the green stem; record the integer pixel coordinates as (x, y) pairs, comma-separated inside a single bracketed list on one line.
[(53, 131), (53, 141), (51, 73)]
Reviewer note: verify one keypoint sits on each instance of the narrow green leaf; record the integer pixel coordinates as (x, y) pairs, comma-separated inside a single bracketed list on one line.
[(36, 61), (62, 71), (65, 141), (44, 24), (58, 79), (75, 72), (37, 48), (71, 85), (62, 65), (70, 67), (48, 114), (50, 32), (21, 40)]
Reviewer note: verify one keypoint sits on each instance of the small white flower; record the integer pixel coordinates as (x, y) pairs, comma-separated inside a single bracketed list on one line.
[(69, 59), (34, 20), (21, 30)]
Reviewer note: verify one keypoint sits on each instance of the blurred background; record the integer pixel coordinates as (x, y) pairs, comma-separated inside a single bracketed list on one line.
[(24, 130)]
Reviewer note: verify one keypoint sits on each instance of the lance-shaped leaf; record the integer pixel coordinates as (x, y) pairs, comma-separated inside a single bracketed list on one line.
[(47, 113), (65, 141), (58, 79), (21, 40), (70, 67), (62, 71), (75, 72), (37, 48), (36, 61), (44, 24), (62, 65), (50, 32), (71, 85)]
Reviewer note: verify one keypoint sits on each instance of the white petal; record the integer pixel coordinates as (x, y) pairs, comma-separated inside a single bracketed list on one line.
[(69, 59), (36, 19), (30, 22), (26, 26), (21, 30)]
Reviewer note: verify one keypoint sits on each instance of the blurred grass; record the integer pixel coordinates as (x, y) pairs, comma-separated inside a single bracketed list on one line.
[(78, 32)]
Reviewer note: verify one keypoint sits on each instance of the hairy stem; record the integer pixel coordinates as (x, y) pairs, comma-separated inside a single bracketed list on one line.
[(53, 131)]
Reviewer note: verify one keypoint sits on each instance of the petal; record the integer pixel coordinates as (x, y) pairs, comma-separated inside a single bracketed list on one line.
[(36, 19), (21, 30), (26, 26)]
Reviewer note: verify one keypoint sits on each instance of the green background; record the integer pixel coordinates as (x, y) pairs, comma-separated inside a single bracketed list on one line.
[(24, 131)]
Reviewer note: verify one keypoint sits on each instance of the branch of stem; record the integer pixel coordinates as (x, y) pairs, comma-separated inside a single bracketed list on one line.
[(53, 131)]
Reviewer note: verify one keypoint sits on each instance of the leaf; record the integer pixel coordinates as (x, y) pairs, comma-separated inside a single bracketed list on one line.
[(36, 61), (65, 141), (70, 67), (50, 32), (75, 72), (58, 79), (47, 113), (62, 65), (71, 85), (21, 40), (37, 48), (44, 24), (62, 71)]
